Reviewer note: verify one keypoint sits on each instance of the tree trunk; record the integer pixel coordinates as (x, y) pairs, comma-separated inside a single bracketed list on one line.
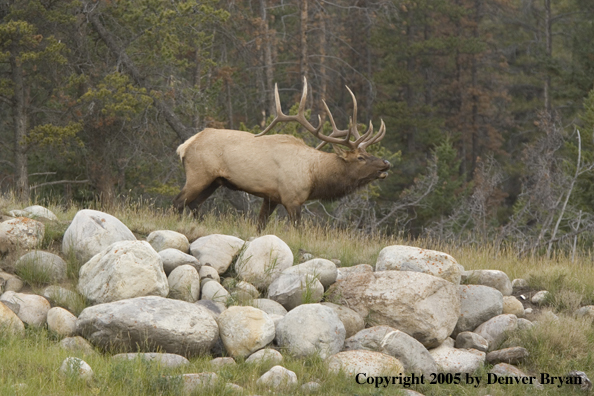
[(19, 114), (303, 39), (549, 54), (268, 69), (321, 16)]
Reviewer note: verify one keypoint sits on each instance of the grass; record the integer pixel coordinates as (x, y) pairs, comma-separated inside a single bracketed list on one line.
[(556, 347)]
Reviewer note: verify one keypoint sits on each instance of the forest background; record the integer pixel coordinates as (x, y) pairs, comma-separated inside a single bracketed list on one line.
[(488, 104)]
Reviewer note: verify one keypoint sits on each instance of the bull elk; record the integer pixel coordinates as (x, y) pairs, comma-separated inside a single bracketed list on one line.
[(280, 168)]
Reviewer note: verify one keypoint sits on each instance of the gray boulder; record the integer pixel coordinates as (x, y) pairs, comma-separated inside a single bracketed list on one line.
[(244, 330), (166, 239), (44, 264), (352, 321), (169, 360), (452, 360), (32, 308), (415, 358), (263, 260), (20, 233), (293, 289), (173, 258), (495, 329), (217, 250), (323, 270), (492, 278), (366, 363), (271, 307), (61, 321), (477, 305), (184, 283)]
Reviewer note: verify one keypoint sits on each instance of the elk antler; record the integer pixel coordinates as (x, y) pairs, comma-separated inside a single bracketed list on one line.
[(337, 136)]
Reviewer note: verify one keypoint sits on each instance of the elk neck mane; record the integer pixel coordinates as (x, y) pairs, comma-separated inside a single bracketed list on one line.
[(332, 180)]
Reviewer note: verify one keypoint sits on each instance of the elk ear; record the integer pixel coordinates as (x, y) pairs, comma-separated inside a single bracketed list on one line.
[(339, 151)]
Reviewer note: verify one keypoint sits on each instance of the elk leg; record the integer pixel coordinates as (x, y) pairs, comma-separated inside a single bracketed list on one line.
[(266, 210), (193, 197), (294, 212)]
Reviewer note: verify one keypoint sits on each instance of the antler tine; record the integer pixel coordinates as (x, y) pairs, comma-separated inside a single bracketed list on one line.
[(365, 137), (378, 136), (353, 121), (335, 131), (300, 117)]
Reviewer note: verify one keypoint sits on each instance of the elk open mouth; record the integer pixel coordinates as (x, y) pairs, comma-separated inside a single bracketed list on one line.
[(383, 175)]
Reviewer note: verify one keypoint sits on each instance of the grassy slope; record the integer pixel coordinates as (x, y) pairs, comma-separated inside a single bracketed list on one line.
[(555, 347)]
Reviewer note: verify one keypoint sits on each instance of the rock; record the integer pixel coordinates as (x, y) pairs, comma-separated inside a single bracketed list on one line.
[(311, 329), (244, 330), (36, 212), (507, 370), (9, 321), (452, 360), (512, 355), (20, 233), (585, 312), (46, 266), (470, 340), (353, 323), (278, 377), (323, 270), (126, 269), (477, 305), (216, 250), (512, 305), (233, 388), (91, 232), (184, 283), (77, 344), (61, 321), (197, 383), (32, 308), (519, 283), (367, 363), (150, 324), (76, 368), (214, 291), (62, 297), (305, 256), (169, 360), (166, 239), (208, 272), (524, 324), (540, 298), (415, 358), (214, 308), (222, 361), (310, 387), (291, 290), (244, 291), (173, 258), (586, 384), (423, 306), (495, 329), (345, 272), (368, 339), (409, 258), (492, 278), (263, 260), (11, 283), (265, 356), (269, 306)]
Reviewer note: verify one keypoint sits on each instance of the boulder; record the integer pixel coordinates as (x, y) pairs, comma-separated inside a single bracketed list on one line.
[(244, 330), (513, 355), (278, 377), (585, 312), (323, 270), (222, 362), (352, 321), (244, 291), (470, 340), (214, 291), (365, 364), (61, 321), (519, 283), (409, 258), (149, 324), (208, 272), (415, 358), (293, 289), (216, 250), (74, 367), (477, 305), (20, 233), (32, 308), (263, 260), (423, 306), (311, 329), (452, 360), (368, 339), (345, 272), (540, 297), (46, 266), (173, 258), (62, 297), (492, 278), (77, 344), (265, 356), (512, 305), (269, 306), (495, 329), (213, 307), (9, 282), (196, 383), (124, 270), (10, 321), (166, 239), (91, 232), (36, 212), (184, 283), (169, 360)]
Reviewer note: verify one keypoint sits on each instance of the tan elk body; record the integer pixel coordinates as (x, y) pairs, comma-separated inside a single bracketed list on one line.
[(279, 168)]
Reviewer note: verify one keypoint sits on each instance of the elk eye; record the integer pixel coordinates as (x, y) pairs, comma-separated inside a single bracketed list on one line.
[(361, 158)]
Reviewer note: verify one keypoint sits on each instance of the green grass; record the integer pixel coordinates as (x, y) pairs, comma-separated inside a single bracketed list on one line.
[(555, 347)]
